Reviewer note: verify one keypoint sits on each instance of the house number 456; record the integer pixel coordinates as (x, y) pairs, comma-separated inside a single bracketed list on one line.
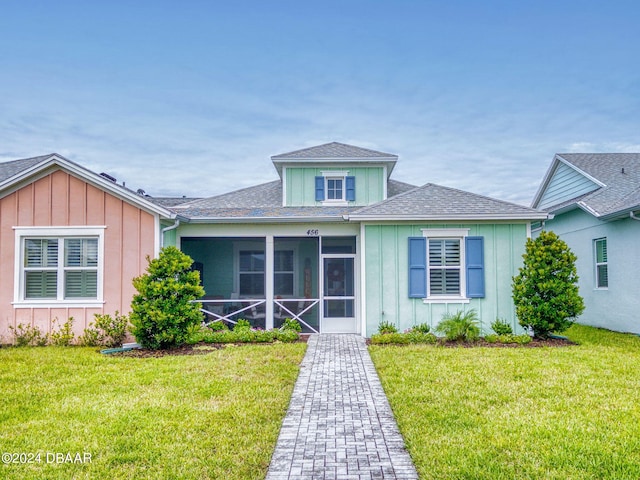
[(313, 232)]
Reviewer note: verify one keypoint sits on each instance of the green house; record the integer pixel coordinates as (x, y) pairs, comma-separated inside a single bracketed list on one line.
[(339, 245)]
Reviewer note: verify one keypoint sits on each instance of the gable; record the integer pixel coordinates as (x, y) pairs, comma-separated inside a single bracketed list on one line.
[(61, 199), (565, 184)]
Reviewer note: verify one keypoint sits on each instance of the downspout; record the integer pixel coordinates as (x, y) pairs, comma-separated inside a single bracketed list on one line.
[(631, 215), (166, 229)]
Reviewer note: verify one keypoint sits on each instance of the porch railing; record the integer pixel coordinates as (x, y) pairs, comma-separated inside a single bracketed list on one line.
[(303, 305), (226, 310), (231, 309)]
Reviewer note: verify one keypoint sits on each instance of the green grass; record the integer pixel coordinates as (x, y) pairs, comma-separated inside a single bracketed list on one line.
[(525, 413), (207, 416)]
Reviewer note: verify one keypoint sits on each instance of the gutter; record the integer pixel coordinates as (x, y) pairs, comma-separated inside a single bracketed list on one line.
[(167, 229), (631, 215)]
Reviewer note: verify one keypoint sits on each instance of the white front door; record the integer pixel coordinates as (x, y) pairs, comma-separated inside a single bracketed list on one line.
[(338, 294)]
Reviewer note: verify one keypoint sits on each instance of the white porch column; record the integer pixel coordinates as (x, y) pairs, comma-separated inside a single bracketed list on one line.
[(268, 281)]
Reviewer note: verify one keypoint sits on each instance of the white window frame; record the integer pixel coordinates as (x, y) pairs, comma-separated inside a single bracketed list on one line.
[(262, 246), (447, 234), (599, 264), (59, 233), (335, 175), (244, 247)]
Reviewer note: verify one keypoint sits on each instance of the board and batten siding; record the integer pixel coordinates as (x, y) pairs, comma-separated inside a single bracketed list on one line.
[(62, 200), (300, 184), (565, 184), (387, 276)]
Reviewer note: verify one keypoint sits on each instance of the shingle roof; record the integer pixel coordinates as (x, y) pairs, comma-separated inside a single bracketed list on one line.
[(265, 201), (333, 150), (619, 172), (437, 202), (12, 168), (170, 201)]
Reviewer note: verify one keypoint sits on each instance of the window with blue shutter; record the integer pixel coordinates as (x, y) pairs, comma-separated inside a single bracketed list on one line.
[(475, 267), (351, 189), (319, 189), (417, 267)]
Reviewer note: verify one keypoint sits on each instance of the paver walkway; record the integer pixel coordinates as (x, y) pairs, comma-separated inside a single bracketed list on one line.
[(339, 424)]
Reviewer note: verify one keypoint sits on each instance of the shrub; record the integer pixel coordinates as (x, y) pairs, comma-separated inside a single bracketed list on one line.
[(545, 291), (387, 327), (242, 324), (64, 335), (459, 326), (501, 327), (420, 328), (421, 337), (106, 330), (26, 335), (163, 309), (217, 326), (286, 336), (291, 324)]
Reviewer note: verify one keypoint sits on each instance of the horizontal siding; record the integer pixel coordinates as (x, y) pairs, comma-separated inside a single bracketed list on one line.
[(565, 185)]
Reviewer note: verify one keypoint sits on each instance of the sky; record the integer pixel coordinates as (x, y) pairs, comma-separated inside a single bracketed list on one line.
[(194, 97)]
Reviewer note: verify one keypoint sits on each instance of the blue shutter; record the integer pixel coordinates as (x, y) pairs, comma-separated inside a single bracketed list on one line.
[(319, 189), (475, 266), (417, 267), (351, 189)]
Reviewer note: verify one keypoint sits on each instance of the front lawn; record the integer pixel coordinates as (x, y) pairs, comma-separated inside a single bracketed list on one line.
[(491, 413), (199, 416)]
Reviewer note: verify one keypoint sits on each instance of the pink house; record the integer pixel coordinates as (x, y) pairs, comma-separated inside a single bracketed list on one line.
[(70, 243)]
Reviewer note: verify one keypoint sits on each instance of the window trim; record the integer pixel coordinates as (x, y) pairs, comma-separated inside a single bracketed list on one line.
[(60, 233), (258, 245), (447, 234), (597, 264), (335, 175)]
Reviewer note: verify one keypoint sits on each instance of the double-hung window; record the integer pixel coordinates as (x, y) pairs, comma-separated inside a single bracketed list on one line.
[(251, 273), (601, 263), (58, 266), (283, 272)]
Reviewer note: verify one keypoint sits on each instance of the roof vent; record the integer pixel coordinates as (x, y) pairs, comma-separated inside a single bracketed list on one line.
[(623, 170), (108, 177)]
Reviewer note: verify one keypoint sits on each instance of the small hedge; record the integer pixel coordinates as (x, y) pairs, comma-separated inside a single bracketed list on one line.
[(403, 338), (218, 332)]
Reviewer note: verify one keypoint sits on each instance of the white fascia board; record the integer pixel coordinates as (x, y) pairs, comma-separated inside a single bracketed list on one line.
[(389, 218), (557, 159), (249, 220), (43, 168), (545, 181), (389, 162)]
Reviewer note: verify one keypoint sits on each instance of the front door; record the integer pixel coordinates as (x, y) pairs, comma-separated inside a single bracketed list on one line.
[(338, 294)]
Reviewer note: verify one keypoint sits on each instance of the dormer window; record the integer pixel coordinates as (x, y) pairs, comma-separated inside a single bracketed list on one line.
[(335, 188)]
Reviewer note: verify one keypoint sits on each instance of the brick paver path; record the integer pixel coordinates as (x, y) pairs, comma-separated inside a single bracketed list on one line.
[(339, 424)]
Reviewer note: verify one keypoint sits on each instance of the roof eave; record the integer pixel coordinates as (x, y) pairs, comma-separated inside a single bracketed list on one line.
[(389, 162), (522, 217), (288, 219), (551, 170)]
